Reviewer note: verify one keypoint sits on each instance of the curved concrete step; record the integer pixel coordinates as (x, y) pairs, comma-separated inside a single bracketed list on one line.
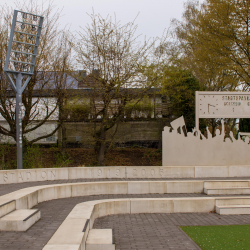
[(75, 228), (233, 209), (100, 239), (61, 247), (228, 190), (19, 220), (228, 201), (226, 184)]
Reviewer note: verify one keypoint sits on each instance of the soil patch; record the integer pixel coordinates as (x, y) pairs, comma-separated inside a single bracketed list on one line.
[(73, 157)]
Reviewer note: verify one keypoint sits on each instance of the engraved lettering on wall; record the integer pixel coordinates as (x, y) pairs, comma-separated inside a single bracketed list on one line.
[(53, 173), (5, 178), (117, 172), (134, 172), (152, 171), (20, 177), (99, 172), (28, 175), (44, 174)]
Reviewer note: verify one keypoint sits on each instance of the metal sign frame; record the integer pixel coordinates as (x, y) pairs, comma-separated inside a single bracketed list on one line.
[(14, 66), (221, 104)]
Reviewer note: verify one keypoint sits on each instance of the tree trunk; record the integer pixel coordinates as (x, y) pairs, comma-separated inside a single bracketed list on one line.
[(213, 127), (64, 139), (101, 147), (161, 125)]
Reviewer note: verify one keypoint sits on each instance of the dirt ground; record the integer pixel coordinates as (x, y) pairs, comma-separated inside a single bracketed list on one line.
[(120, 157), (52, 157)]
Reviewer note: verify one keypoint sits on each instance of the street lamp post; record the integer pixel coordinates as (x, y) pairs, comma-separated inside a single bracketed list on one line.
[(20, 62)]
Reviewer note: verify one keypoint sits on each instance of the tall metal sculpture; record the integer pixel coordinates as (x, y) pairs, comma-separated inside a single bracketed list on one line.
[(20, 62)]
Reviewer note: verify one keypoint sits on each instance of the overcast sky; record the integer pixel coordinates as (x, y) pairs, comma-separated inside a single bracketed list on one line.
[(154, 15)]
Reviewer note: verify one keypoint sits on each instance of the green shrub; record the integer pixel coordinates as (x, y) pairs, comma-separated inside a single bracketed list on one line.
[(4, 151), (32, 157), (139, 110), (77, 112)]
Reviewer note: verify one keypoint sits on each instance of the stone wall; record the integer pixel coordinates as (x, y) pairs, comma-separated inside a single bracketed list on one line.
[(81, 133), (195, 149), (118, 172)]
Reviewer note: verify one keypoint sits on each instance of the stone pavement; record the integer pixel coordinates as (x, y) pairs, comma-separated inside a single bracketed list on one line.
[(161, 231), (8, 188), (136, 231)]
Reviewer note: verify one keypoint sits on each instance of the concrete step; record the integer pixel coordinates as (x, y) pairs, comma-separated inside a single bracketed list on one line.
[(229, 190), (228, 201), (100, 239), (226, 184), (19, 220), (233, 209)]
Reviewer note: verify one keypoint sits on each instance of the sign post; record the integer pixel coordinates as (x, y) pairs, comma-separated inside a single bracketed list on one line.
[(221, 104), (20, 62)]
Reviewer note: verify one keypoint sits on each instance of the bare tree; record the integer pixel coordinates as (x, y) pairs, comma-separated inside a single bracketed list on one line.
[(114, 61), (42, 97)]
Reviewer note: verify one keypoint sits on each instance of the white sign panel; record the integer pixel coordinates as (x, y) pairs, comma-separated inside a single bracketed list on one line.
[(222, 104)]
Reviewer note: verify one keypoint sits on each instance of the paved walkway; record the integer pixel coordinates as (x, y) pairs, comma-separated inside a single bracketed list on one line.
[(161, 231), (8, 188), (137, 232)]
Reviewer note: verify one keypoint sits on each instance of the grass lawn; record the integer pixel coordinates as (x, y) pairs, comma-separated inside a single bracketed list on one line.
[(220, 237)]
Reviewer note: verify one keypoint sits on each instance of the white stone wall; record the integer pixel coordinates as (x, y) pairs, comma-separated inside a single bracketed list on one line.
[(44, 174), (197, 150)]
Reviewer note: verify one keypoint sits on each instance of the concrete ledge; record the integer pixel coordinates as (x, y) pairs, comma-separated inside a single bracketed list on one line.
[(212, 171), (72, 233), (180, 187), (29, 197), (151, 206), (69, 233), (7, 206), (100, 239), (233, 209), (194, 205), (61, 247), (19, 220), (225, 201), (221, 191), (45, 174), (226, 184), (238, 171)]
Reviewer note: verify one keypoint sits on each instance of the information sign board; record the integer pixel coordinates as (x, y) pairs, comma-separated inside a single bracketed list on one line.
[(218, 104)]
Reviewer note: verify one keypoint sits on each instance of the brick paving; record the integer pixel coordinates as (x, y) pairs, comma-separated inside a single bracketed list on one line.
[(136, 231), (161, 231), (8, 188)]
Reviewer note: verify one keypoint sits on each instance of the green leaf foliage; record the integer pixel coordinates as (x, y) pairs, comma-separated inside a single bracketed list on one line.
[(137, 110), (77, 112), (178, 87), (244, 125), (215, 39)]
